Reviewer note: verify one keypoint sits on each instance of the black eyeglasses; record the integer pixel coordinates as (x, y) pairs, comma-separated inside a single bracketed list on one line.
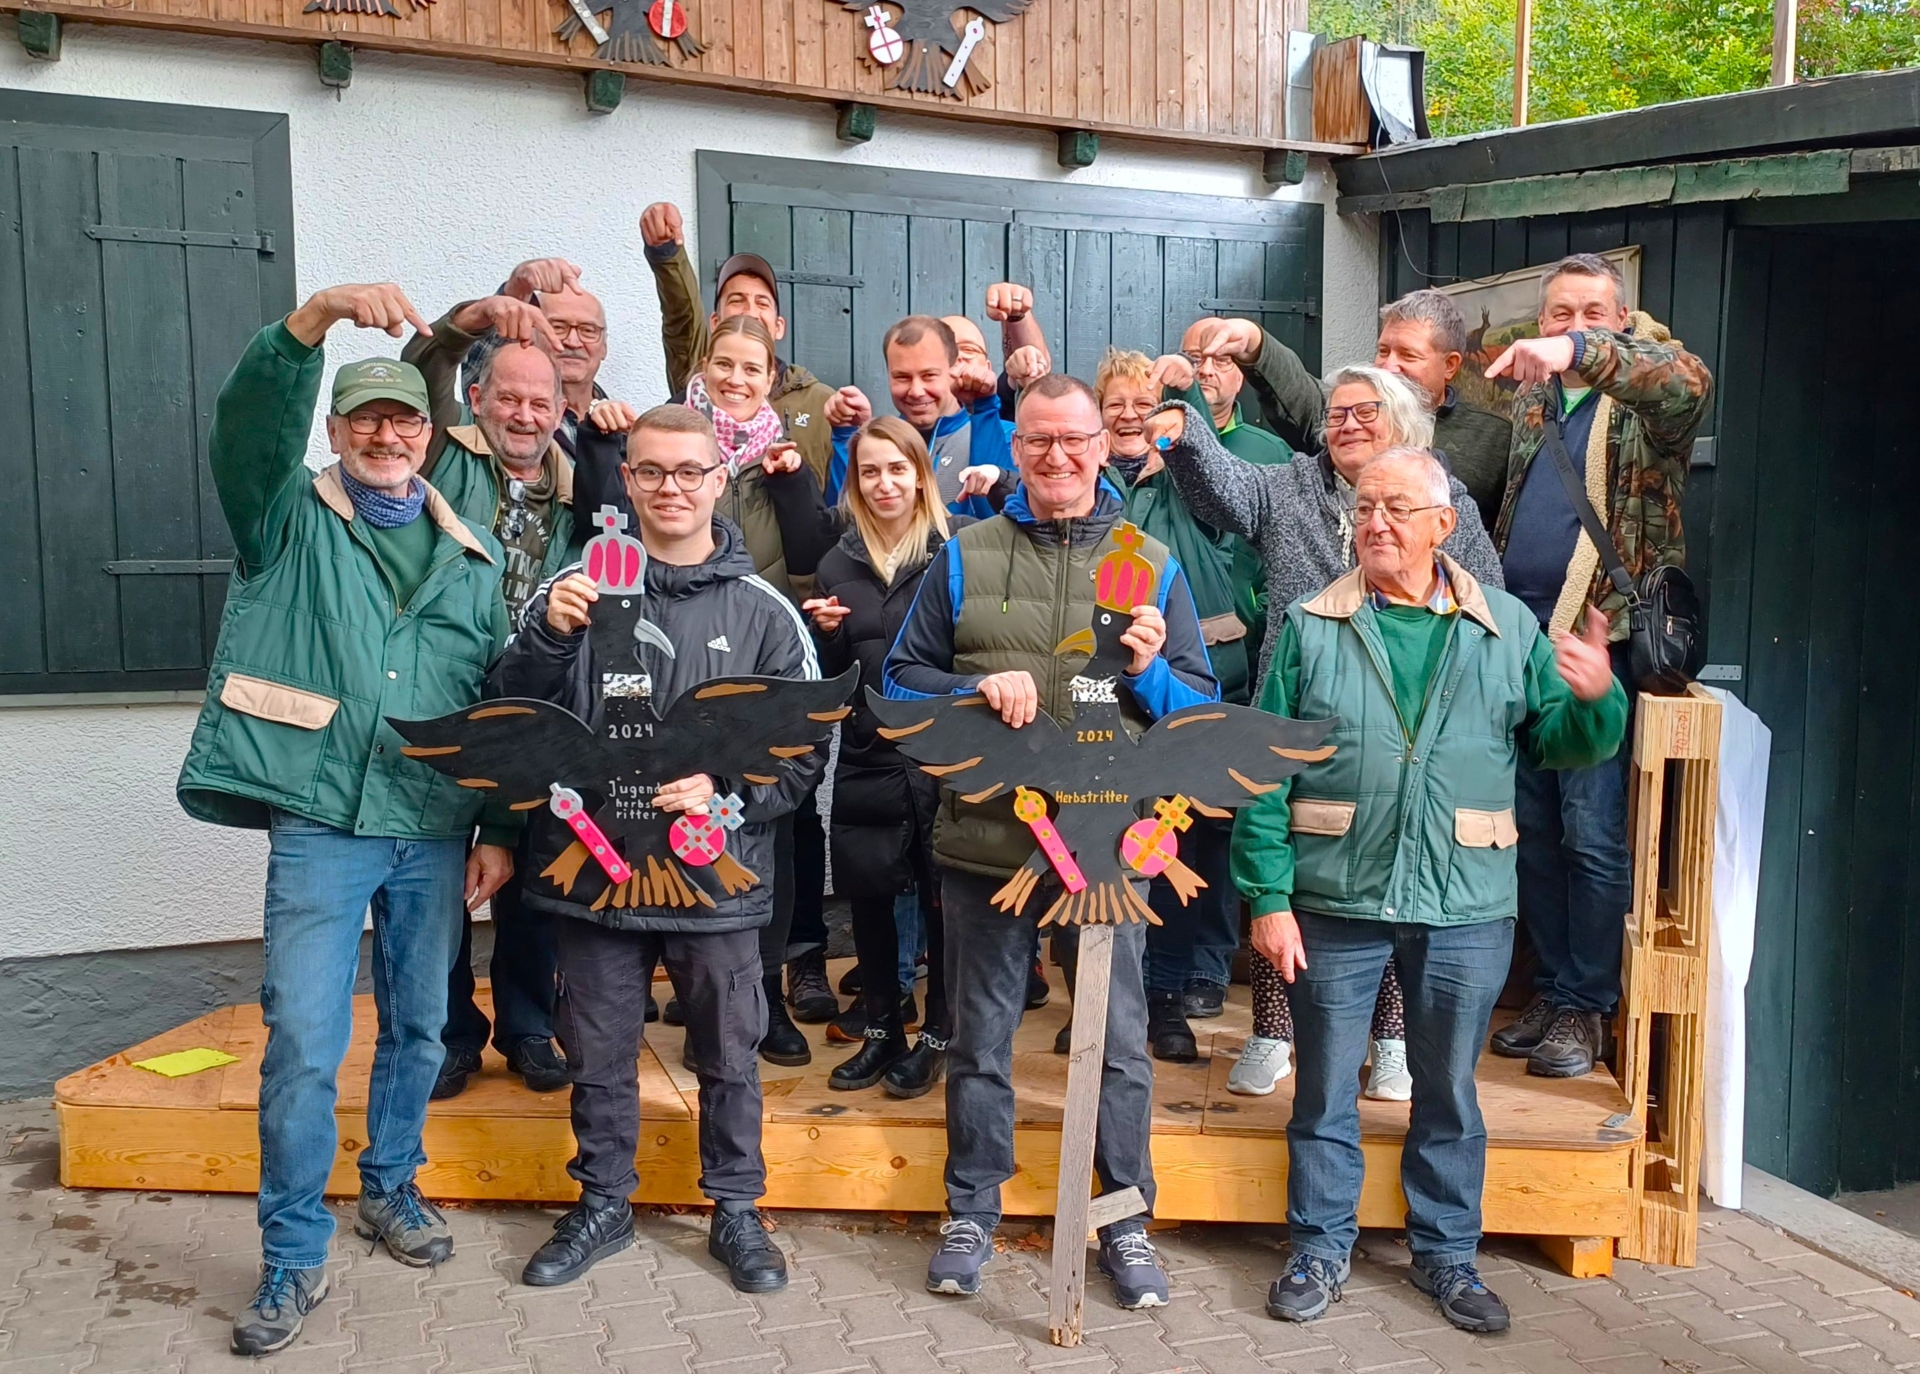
[(1040, 445), (366, 423), (1366, 412), (687, 477), (1397, 512)]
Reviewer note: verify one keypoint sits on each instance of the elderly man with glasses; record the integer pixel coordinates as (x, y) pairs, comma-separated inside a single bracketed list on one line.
[(1400, 847), (358, 595), (502, 454), (994, 612)]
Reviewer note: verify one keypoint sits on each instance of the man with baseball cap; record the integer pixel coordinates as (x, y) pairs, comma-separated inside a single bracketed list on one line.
[(358, 595), (747, 285)]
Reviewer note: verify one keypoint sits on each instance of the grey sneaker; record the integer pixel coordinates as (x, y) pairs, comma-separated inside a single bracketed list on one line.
[(1138, 1280), (412, 1229), (964, 1251), (1308, 1287), (280, 1305), (1461, 1297)]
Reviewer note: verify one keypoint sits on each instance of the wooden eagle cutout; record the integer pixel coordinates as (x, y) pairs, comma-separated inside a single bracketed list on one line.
[(630, 33), (1208, 758), (936, 45), (532, 754)]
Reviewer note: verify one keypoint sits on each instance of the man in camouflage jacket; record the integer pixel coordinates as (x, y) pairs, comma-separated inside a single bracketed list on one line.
[(1629, 399)]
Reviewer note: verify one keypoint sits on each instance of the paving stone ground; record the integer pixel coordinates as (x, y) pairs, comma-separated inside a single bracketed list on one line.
[(123, 1282)]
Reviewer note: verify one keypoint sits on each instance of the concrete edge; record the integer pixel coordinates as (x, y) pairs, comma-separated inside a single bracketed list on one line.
[(1823, 1225)]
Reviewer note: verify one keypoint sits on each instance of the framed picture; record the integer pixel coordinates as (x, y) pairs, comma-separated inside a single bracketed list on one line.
[(1501, 309)]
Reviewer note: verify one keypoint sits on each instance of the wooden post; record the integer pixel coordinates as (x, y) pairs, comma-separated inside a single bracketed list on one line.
[(336, 65), (39, 34), (1786, 40), (605, 90), (1522, 59), (1081, 1113), (856, 122)]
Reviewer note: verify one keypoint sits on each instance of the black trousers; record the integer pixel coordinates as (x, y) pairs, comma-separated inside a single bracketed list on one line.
[(522, 970), (773, 936), (876, 947), (808, 929), (600, 1017)]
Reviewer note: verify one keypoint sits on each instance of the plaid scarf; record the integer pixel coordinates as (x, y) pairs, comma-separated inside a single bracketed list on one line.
[(742, 441), (1440, 602)]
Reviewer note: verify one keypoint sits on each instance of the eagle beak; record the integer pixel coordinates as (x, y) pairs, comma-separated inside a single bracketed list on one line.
[(646, 632), (1080, 642)]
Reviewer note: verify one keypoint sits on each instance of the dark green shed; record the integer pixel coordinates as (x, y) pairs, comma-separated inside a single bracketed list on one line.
[(1780, 239)]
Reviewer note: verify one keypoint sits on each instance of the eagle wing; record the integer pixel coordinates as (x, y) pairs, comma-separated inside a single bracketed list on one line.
[(963, 742), (511, 750), (1226, 756), (754, 727)]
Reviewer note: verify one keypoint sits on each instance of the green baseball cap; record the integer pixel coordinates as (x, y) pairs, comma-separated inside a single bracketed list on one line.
[(379, 379)]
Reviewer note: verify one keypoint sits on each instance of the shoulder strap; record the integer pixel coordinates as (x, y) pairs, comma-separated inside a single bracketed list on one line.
[(1556, 447)]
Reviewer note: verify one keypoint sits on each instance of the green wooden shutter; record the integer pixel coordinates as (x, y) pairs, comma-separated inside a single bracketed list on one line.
[(140, 247), (858, 247)]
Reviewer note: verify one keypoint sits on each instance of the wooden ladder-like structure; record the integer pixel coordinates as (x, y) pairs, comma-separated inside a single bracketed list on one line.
[(1672, 804)]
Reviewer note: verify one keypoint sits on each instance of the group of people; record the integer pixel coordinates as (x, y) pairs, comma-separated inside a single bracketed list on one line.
[(1364, 546)]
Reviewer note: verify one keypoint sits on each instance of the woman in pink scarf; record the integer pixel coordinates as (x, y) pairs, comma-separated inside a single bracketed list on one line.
[(731, 390)]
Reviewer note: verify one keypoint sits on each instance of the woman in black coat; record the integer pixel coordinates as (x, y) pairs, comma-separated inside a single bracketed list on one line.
[(872, 550)]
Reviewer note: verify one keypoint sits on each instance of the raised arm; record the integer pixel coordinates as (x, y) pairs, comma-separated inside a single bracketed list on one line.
[(1292, 402), (683, 329), (1226, 492)]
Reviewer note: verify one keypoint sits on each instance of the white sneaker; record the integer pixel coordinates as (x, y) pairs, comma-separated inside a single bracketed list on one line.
[(1263, 1063), (1390, 1081)]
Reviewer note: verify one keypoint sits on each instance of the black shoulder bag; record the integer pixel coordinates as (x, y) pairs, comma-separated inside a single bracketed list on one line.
[(1665, 639)]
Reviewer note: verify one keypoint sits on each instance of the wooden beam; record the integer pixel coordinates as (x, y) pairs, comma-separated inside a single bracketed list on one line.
[(1786, 40), (336, 65), (1522, 59), (680, 76), (1079, 1116), (1283, 167), (1871, 107), (39, 34), (856, 122), (1581, 1257)]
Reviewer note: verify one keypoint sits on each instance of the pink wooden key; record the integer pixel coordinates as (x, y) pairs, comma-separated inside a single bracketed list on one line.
[(1031, 807), (568, 806)]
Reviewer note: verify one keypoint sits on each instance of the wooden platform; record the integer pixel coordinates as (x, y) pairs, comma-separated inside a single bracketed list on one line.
[(1554, 1168)]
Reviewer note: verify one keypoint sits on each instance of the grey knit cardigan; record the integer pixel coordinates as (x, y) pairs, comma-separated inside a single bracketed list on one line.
[(1291, 513)]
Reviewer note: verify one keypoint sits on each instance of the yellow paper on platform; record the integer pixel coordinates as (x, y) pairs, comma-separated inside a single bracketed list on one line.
[(183, 1062)]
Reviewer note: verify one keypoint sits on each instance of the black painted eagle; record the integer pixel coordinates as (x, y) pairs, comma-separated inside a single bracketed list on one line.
[(629, 33), (933, 39), (1097, 774)]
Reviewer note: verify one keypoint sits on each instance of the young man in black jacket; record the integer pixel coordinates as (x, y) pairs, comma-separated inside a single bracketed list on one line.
[(723, 620)]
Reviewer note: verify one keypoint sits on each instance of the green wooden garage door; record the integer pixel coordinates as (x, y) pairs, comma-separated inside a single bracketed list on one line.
[(140, 247), (859, 247)]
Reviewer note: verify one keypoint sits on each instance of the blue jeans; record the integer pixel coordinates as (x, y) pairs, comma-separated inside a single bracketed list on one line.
[(1451, 976), (320, 882), (1195, 943), (910, 922), (1576, 874)]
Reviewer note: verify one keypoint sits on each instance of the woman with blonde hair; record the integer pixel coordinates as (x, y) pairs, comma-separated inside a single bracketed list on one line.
[(1299, 518), (871, 551)]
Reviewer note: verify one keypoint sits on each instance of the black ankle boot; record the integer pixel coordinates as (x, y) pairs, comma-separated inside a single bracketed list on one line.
[(583, 1237), (1167, 1030), (915, 1075), (886, 1045), (783, 1043), (739, 1241)]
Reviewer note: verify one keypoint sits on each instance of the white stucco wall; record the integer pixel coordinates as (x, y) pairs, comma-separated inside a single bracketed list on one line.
[(465, 148)]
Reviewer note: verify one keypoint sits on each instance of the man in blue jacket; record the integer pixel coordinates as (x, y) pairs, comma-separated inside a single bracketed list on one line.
[(996, 601)]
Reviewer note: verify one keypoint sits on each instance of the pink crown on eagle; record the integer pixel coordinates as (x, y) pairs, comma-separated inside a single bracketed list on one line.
[(616, 561)]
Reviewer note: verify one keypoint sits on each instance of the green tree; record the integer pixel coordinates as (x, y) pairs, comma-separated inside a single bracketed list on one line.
[(1590, 58)]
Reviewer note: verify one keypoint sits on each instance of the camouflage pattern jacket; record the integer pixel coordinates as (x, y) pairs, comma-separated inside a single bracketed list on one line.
[(1654, 396)]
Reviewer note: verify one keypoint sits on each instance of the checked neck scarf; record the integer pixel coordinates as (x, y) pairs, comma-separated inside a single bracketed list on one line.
[(742, 441)]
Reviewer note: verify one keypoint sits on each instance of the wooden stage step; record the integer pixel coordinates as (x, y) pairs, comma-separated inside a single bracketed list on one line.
[(1554, 1167)]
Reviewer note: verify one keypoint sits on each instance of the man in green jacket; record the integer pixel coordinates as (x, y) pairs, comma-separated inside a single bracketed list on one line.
[(507, 472), (1401, 845), (746, 286), (1422, 338), (358, 595)]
